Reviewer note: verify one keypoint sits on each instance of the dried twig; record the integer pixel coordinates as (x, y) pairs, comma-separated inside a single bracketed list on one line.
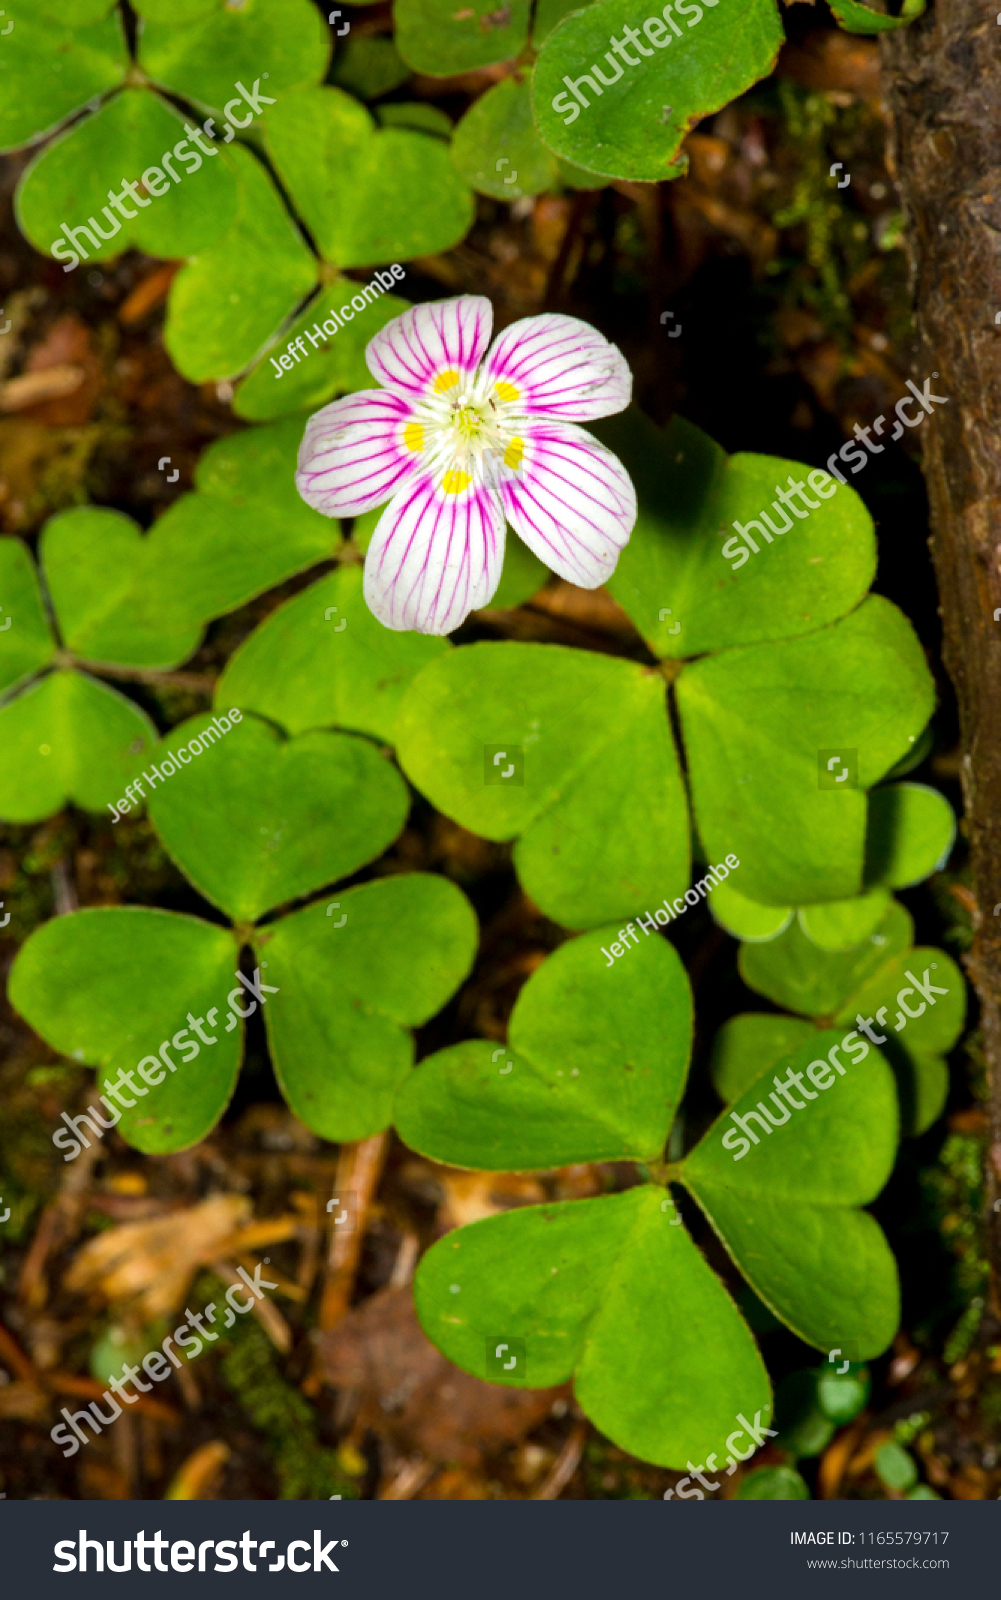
[(565, 1465), (358, 1169), (188, 1385), (406, 1261), (266, 1312), (148, 293), (56, 1226), (409, 1480), (358, 1172), (835, 1459), (125, 1447), (14, 1357), (91, 1389), (273, 1230), (309, 1240), (31, 387), (63, 889), (24, 1402), (284, 1286)]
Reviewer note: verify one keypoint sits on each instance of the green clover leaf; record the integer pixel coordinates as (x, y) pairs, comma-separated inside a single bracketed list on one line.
[(593, 1071), (26, 642), (96, 565), (600, 813), (785, 1206), (435, 37), (867, 981), (322, 659), (675, 582), (73, 178), (233, 296), (270, 46), (268, 820), (755, 718), (51, 65), (501, 120), (68, 737), (341, 1047), (367, 195), (334, 359), (633, 126), (608, 1291), (755, 721), (255, 821), (855, 17), (106, 986), (246, 529)]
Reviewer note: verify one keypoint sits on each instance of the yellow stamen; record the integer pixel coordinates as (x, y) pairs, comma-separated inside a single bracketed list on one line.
[(514, 453), (507, 391), (413, 436), (446, 380), (455, 481)]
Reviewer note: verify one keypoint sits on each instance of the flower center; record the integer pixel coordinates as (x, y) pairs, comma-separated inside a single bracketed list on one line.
[(468, 430), (467, 423), (460, 426)]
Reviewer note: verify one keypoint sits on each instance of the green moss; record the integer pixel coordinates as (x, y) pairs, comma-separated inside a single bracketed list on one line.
[(956, 919), (827, 240), (954, 1188), (305, 1469)]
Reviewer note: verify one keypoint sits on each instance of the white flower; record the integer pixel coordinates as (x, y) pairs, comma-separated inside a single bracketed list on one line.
[(457, 440)]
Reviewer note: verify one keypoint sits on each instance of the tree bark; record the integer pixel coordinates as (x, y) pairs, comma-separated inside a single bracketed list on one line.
[(943, 83)]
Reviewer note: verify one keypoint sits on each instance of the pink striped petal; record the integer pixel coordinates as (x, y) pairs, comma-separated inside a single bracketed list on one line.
[(561, 368), (434, 557), (352, 456), (421, 348), (571, 501)]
